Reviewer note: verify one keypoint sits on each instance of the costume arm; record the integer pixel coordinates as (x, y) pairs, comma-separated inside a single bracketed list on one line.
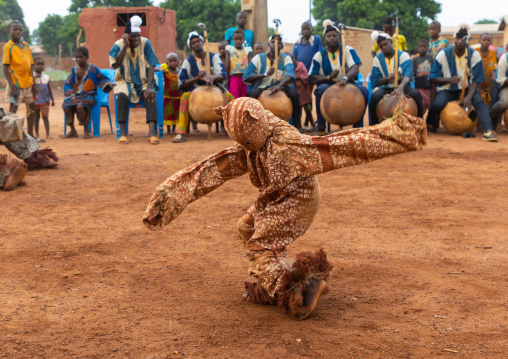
[(313, 155), (192, 183)]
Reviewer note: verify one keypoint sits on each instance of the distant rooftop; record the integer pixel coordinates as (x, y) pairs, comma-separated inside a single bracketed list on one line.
[(476, 29)]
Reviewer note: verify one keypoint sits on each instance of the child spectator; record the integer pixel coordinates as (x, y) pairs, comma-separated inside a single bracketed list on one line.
[(241, 21), (43, 94), (422, 63), (389, 28), (240, 57), (171, 93), (224, 54), (307, 45), (80, 92), (17, 60), (259, 48), (303, 89), (489, 61), (437, 43)]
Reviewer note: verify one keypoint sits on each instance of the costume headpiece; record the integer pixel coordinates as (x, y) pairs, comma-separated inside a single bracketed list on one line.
[(463, 32), (378, 37), (329, 26), (278, 36), (246, 122), (134, 25), (192, 35)]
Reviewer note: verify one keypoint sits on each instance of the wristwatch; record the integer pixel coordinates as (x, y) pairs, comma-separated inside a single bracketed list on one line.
[(345, 78)]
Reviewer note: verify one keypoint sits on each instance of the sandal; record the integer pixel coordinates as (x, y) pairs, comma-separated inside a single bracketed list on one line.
[(40, 139), (153, 140), (123, 140), (179, 139)]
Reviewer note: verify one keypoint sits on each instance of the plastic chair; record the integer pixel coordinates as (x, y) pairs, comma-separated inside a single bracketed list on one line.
[(159, 100), (102, 100)]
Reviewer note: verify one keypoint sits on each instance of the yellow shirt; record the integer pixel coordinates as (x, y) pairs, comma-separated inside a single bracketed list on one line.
[(334, 59), (402, 44), (390, 64), (20, 64)]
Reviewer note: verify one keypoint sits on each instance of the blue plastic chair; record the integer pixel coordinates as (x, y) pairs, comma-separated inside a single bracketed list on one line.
[(159, 100), (102, 100)]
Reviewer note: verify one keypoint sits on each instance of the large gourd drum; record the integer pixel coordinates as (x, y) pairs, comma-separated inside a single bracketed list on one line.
[(203, 100), (388, 103), (342, 105), (278, 103), (456, 120)]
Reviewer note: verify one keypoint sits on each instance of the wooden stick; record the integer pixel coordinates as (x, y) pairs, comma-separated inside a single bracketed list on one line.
[(207, 50), (464, 80), (276, 56), (396, 46), (343, 52)]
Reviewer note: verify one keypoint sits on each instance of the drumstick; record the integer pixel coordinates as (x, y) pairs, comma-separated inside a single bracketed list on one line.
[(464, 79), (207, 56), (396, 46), (343, 49), (276, 59)]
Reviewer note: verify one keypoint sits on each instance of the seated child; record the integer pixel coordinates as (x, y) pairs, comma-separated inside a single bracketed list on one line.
[(422, 63), (437, 43), (303, 89), (43, 94), (80, 91), (240, 57), (171, 93), (389, 28)]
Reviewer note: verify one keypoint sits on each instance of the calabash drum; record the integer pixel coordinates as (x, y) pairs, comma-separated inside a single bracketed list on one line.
[(342, 105), (388, 103), (278, 103), (203, 100), (456, 120)]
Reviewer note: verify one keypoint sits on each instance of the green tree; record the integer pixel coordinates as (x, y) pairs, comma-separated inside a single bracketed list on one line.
[(369, 14), (9, 11), (486, 21), (218, 15), (78, 5), (49, 31)]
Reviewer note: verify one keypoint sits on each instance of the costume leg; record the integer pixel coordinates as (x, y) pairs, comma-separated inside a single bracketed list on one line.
[(482, 111), (440, 101), (500, 106), (376, 97), (297, 109), (365, 93), (320, 90), (415, 95)]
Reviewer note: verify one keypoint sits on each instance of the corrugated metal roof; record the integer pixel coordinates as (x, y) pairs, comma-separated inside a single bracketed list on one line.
[(474, 29)]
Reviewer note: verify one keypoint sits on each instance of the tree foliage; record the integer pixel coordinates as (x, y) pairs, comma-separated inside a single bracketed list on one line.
[(9, 11), (78, 5), (486, 21), (58, 30), (369, 14), (218, 15)]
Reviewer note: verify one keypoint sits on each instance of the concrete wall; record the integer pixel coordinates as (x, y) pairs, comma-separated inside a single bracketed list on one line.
[(101, 30)]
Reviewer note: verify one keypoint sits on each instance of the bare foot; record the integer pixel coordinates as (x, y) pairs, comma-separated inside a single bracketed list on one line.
[(16, 176), (72, 134), (311, 295)]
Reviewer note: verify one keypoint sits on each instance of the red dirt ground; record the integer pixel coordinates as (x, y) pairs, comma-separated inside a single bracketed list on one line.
[(419, 242)]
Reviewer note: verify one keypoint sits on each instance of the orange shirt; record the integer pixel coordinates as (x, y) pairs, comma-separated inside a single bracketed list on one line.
[(20, 64)]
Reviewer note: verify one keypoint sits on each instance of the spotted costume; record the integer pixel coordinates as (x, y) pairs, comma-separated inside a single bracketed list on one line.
[(283, 164)]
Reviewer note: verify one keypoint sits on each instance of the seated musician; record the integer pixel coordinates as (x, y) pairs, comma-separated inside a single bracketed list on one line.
[(383, 75), (447, 72), (259, 74), (501, 104), (193, 74), (326, 70)]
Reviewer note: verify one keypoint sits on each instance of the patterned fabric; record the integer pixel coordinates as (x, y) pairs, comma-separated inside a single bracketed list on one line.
[(445, 65), (302, 85), (20, 63), (283, 170), (171, 97), (84, 92), (323, 62), (489, 65), (192, 66), (436, 46), (131, 76), (421, 71), (239, 59), (184, 117), (7, 164), (41, 88), (381, 68), (259, 65)]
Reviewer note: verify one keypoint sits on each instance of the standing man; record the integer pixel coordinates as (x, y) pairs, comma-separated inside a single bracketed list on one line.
[(134, 60), (447, 72), (502, 81), (17, 60), (241, 21)]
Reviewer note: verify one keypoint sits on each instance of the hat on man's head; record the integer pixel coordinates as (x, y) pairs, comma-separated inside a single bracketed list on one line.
[(463, 31), (329, 26), (134, 25), (379, 36), (278, 36), (192, 35)]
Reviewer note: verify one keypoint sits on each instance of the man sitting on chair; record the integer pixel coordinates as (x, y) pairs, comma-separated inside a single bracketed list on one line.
[(134, 60), (260, 74)]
